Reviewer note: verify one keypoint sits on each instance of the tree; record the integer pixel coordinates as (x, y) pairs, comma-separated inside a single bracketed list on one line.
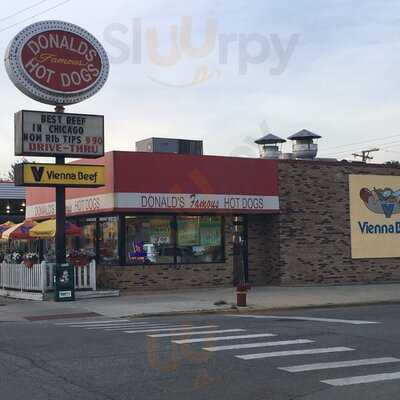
[(393, 163), (11, 174)]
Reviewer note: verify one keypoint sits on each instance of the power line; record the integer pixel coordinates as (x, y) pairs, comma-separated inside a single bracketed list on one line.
[(350, 151), (357, 143), (391, 151), (35, 15), (23, 10)]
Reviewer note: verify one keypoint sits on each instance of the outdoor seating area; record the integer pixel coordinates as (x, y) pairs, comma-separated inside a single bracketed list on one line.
[(27, 256)]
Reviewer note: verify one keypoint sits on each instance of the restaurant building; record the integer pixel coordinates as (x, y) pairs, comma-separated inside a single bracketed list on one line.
[(167, 220)]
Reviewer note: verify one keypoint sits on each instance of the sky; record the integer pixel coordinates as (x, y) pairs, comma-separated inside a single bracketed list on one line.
[(229, 71)]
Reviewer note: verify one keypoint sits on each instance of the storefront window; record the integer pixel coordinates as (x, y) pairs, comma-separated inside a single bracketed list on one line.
[(108, 241), (87, 242), (149, 240), (199, 239)]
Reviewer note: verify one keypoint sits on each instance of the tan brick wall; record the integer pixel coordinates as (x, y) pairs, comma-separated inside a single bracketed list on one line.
[(161, 277), (314, 226), (307, 243), (263, 248)]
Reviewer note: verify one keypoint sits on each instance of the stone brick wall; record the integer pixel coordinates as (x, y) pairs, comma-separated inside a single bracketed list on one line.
[(314, 226), (161, 277)]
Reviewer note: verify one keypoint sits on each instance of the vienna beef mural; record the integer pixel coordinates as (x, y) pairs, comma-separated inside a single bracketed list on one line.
[(375, 216)]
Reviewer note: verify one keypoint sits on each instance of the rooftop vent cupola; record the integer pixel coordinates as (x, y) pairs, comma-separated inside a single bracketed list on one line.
[(270, 146), (303, 144)]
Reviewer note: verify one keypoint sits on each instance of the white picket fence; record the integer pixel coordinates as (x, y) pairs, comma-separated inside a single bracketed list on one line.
[(39, 278)]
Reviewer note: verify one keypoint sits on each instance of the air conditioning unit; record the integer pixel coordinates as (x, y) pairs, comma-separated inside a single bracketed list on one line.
[(164, 145)]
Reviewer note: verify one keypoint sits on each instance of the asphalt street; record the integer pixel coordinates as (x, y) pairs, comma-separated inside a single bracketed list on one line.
[(312, 354)]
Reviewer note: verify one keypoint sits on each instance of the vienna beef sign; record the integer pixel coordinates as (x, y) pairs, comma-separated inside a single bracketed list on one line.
[(56, 63), (73, 175), (374, 216)]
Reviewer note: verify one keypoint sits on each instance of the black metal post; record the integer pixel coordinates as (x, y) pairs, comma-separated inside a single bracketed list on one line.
[(60, 219), (60, 212)]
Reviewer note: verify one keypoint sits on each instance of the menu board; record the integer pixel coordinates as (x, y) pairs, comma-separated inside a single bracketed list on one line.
[(160, 231), (188, 232), (210, 231)]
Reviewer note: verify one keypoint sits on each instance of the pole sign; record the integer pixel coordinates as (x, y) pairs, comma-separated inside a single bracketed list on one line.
[(48, 134), (57, 63), (71, 175)]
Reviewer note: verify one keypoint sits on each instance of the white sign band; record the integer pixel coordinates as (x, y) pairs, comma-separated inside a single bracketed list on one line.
[(159, 201)]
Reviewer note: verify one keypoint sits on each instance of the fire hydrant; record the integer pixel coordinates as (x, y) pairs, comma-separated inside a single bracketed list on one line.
[(241, 294)]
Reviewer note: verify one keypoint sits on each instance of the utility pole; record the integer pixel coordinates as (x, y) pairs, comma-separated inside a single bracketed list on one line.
[(365, 154)]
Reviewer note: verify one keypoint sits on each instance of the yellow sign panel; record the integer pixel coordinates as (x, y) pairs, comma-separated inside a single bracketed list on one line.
[(375, 216), (32, 174)]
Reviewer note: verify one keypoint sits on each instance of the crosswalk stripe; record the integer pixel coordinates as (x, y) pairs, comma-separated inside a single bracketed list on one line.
[(260, 344), (218, 338), (293, 353), (339, 364), (194, 333), (105, 325), (355, 380), (123, 326), (94, 322), (109, 325), (178, 328), (146, 327), (334, 320)]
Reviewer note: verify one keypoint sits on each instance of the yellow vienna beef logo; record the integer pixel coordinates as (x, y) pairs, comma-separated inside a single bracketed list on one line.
[(32, 174)]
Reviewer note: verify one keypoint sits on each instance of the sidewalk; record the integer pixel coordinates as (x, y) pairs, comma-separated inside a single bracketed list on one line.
[(196, 300)]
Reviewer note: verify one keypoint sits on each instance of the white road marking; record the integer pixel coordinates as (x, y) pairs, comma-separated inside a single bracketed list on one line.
[(355, 380), (125, 326), (255, 345), (105, 325), (194, 333), (339, 364), (294, 353), (177, 328), (114, 321), (218, 338), (333, 320), (137, 327)]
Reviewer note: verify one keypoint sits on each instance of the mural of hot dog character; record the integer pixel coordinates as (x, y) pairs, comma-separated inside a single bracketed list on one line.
[(381, 201)]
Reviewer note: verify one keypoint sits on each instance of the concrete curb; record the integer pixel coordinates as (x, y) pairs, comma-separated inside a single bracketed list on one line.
[(255, 309), (18, 295)]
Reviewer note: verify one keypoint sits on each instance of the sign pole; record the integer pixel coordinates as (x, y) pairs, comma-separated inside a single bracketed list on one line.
[(60, 211)]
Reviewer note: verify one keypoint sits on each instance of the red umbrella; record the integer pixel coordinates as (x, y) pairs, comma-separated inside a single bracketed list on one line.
[(72, 229)]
